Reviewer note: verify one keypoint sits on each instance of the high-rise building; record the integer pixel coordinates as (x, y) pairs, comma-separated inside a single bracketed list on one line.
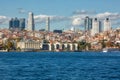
[(31, 25), (107, 24), (48, 24), (16, 23), (100, 26), (88, 23), (22, 23), (11, 22), (95, 27)]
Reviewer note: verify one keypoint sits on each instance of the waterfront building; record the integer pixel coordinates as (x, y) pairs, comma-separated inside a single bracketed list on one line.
[(88, 23), (63, 46), (29, 45), (107, 24), (31, 25), (36, 45), (48, 24), (95, 27)]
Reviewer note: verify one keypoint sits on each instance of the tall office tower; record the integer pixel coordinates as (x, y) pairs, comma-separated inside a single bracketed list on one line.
[(88, 23), (31, 25), (22, 24), (100, 26), (48, 24), (14, 23), (95, 27), (107, 24), (11, 23)]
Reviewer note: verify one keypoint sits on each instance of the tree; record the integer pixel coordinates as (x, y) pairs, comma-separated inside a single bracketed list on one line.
[(18, 49), (103, 43), (82, 45), (9, 45)]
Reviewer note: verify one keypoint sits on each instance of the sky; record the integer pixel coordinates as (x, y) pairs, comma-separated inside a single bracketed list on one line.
[(64, 14)]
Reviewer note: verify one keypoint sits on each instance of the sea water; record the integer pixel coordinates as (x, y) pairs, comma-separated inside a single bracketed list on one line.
[(59, 66)]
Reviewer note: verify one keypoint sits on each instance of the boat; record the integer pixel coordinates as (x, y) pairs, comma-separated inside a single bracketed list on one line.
[(77, 51), (111, 50), (105, 50), (3, 50)]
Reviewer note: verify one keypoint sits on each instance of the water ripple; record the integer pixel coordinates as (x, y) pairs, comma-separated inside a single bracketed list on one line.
[(59, 66)]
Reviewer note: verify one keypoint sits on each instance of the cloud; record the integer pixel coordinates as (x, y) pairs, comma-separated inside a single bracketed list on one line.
[(42, 18), (83, 13), (77, 19), (79, 16), (21, 11), (116, 22), (78, 12), (112, 16), (3, 19), (77, 22)]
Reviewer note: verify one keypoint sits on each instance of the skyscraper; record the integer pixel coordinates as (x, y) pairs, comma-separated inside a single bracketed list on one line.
[(107, 24), (31, 25), (88, 23), (22, 23), (11, 24), (95, 27), (100, 26), (48, 24), (16, 23)]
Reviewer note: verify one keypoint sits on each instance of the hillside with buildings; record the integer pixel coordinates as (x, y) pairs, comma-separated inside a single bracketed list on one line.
[(94, 38)]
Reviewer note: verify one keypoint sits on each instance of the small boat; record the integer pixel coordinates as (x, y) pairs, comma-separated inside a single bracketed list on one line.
[(3, 50), (111, 50), (77, 50), (105, 50)]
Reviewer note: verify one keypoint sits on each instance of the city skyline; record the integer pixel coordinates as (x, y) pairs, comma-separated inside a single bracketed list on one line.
[(63, 14)]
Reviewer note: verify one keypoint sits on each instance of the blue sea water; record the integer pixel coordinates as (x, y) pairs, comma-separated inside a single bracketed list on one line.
[(59, 66)]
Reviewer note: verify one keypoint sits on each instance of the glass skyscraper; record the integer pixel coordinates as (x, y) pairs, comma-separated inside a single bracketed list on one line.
[(88, 23), (22, 24), (16, 23)]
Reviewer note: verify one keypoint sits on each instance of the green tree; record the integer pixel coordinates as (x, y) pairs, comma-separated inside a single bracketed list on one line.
[(82, 45), (9, 45), (103, 43)]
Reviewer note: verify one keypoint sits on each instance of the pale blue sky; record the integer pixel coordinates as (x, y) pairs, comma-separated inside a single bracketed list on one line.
[(65, 8)]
